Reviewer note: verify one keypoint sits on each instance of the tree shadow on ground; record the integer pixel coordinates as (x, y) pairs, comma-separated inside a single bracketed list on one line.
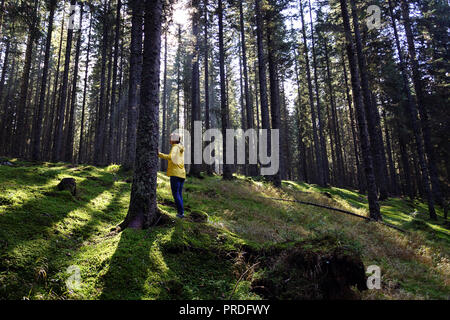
[(127, 277), (33, 239), (167, 263)]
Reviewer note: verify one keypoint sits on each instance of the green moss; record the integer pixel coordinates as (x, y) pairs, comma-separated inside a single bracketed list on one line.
[(43, 232), (198, 216), (5, 201)]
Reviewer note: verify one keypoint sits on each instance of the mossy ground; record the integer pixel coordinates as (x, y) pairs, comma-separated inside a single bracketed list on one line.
[(43, 232)]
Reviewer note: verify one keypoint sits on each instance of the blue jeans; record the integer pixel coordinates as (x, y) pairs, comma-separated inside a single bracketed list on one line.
[(176, 184)]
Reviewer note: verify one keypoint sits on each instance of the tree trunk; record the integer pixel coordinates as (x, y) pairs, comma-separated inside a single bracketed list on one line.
[(120, 119), (252, 169), (379, 133), (112, 152), (52, 121), (4, 72), (209, 168), (420, 95), (421, 103), (108, 107), (83, 110), (360, 177), (134, 80), (71, 126), (20, 136), (2, 10), (374, 207), (394, 185), (37, 85), (258, 126), (163, 163), (195, 89), (412, 109), (324, 156), (179, 77), (285, 155), (244, 167), (274, 100), (334, 123), (37, 129), (317, 146), (143, 211), (405, 162), (334, 173), (4, 110), (227, 174), (99, 157), (373, 127), (302, 170), (7, 125), (58, 136), (264, 103)]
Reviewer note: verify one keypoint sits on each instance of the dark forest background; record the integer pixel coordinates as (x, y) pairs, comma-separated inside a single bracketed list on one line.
[(356, 108)]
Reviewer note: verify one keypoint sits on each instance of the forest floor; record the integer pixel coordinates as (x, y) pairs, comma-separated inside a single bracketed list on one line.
[(44, 231)]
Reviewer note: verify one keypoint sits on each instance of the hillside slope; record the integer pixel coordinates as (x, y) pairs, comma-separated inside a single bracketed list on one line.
[(43, 232)]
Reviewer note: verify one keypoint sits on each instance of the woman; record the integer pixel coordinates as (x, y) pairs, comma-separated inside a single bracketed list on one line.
[(176, 171)]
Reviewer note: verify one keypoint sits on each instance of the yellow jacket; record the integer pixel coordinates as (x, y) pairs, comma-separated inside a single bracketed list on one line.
[(176, 161)]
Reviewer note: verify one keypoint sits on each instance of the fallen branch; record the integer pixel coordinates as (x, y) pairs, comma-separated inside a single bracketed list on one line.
[(338, 210), (240, 278)]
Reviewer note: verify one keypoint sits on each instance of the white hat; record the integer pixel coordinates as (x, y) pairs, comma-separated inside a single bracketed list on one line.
[(175, 137)]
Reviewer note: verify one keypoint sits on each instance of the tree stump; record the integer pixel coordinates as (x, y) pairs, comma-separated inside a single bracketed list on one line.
[(198, 216), (68, 184)]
